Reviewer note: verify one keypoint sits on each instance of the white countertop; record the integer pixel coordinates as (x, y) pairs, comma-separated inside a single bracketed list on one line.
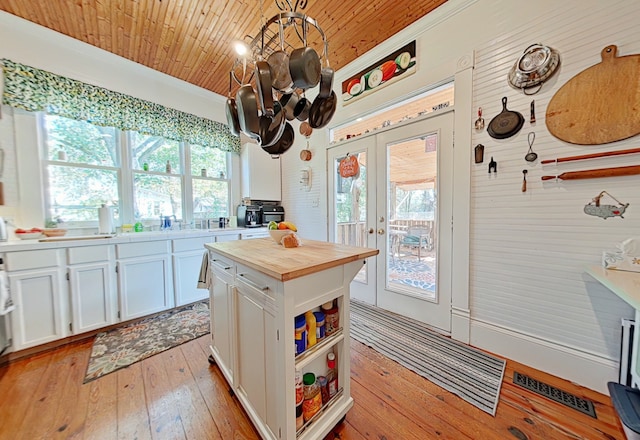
[(624, 284), (17, 244)]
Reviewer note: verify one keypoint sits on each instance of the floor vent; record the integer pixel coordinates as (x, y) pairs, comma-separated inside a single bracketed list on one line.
[(553, 393)]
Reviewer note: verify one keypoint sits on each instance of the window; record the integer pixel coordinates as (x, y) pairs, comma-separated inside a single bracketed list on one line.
[(84, 170)]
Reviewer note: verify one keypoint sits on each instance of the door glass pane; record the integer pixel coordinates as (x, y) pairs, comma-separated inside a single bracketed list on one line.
[(412, 195), (351, 207)]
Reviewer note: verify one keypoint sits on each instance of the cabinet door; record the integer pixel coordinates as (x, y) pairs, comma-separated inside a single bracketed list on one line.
[(221, 323), (186, 272), (260, 174), (144, 286), (39, 316), (93, 299), (256, 348)]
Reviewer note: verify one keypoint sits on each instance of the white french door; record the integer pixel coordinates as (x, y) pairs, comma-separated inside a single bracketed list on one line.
[(401, 204)]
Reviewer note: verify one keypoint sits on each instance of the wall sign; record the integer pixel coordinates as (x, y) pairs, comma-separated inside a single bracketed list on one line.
[(387, 70)]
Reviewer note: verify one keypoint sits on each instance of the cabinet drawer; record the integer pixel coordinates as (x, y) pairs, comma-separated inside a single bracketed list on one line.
[(259, 282), (88, 254), (25, 260), (227, 237), (221, 264), (190, 244), (131, 250)]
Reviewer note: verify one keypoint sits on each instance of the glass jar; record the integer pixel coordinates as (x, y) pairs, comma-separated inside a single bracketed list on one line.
[(331, 318), (312, 397)]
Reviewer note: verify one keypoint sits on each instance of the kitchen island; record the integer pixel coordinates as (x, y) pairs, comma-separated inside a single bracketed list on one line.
[(258, 289)]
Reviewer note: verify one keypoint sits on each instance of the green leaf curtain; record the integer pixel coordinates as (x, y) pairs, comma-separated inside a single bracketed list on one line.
[(33, 90)]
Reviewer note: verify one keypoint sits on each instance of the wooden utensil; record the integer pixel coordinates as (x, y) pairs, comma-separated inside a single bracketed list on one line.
[(593, 174), (600, 104), (591, 156), (524, 180)]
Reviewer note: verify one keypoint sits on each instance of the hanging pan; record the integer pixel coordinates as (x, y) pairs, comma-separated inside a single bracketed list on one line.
[(279, 65), (284, 143), (505, 124), (248, 111), (232, 113)]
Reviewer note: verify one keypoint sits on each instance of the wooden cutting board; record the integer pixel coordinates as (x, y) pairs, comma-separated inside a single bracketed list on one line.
[(600, 104)]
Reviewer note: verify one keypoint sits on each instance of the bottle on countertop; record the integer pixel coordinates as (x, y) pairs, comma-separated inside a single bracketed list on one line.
[(332, 375)]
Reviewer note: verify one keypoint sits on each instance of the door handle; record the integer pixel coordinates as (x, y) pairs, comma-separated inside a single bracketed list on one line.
[(380, 231), (371, 230)]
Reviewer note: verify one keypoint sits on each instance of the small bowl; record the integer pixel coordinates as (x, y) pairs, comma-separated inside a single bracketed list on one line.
[(54, 232), (278, 234), (28, 235)]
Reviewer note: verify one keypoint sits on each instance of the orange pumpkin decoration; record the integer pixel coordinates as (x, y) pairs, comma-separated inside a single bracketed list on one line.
[(349, 166)]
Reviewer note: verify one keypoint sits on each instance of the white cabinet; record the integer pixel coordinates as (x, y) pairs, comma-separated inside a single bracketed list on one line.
[(187, 261), (254, 233), (261, 178), (256, 346), (222, 309), (36, 283), (144, 278), (92, 287)]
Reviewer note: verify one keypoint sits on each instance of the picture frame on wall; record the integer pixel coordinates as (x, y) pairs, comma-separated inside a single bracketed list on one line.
[(389, 69)]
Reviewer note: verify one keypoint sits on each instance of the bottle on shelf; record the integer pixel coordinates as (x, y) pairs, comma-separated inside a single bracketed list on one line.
[(320, 330), (300, 334), (168, 168), (312, 398), (311, 328), (331, 318), (332, 375), (299, 400)]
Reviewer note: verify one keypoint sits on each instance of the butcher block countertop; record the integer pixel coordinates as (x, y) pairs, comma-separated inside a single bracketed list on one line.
[(276, 261)]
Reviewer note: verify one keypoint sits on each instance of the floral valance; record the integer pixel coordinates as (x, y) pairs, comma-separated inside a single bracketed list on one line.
[(33, 90)]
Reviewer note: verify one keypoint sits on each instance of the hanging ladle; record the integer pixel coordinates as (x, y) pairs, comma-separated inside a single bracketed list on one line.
[(531, 156)]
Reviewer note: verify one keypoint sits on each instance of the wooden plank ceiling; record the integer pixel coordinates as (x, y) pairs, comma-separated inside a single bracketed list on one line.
[(191, 39)]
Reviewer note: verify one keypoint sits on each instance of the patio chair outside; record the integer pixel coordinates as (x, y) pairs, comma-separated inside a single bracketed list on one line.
[(418, 238)]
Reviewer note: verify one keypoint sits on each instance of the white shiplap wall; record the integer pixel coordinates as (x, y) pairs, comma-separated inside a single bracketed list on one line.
[(528, 250)]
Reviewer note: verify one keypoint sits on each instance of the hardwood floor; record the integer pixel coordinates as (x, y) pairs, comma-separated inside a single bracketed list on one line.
[(178, 395)]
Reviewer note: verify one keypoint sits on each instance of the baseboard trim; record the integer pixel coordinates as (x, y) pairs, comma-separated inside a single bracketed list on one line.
[(582, 368)]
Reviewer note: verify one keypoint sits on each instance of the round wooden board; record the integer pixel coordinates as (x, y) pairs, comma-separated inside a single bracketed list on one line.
[(600, 104)]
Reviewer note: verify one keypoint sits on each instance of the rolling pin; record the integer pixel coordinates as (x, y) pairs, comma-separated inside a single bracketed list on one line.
[(591, 156), (593, 174)]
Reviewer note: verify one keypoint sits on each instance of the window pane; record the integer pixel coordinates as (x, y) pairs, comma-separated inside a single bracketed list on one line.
[(210, 199), (210, 159), (155, 151), (75, 194), (80, 142), (156, 196)]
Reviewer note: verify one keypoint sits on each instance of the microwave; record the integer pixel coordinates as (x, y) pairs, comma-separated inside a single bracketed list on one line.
[(272, 213)]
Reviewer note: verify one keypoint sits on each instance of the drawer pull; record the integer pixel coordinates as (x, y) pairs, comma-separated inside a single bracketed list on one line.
[(222, 266), (252, 283)]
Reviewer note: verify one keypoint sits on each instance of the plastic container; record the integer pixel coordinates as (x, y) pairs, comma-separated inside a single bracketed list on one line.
[(320, 330), (299, 400), (312, 402), (301, 334), (331, 318), (311, 329)]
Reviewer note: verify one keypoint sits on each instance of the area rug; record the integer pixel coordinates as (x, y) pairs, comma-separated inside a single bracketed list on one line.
[(121, 347), (465, 371), (418, 274)]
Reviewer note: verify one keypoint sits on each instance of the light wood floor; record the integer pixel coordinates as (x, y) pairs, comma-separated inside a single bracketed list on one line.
[(177, 395)]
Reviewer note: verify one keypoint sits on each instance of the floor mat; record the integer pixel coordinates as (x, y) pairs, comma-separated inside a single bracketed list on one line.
[(121, 347), (465, 371)]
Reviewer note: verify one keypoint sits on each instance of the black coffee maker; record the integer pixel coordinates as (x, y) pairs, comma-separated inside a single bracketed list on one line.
[(249, 216)]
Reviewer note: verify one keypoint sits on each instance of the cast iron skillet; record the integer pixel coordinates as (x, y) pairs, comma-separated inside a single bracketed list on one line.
[(506, 123)]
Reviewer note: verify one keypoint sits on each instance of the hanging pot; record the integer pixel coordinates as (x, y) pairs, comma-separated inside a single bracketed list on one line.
[(271, 127), (248, 111), (263, 84), (301, 111), (505, 124), (289, 102), (534, 66), (279, 65), (322, 110), (284, 143), (304, 64), (232, 112)]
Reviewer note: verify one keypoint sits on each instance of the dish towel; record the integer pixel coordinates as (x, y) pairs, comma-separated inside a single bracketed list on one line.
[(6, 304), (204, 279)]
